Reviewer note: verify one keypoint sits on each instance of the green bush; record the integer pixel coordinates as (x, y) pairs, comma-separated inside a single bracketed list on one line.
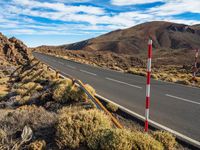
[(110, 139), (166, 138), (75, 126), (111, 107)]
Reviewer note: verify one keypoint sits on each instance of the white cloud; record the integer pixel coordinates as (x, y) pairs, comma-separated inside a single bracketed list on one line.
[(92, 20), (57, 6), (132, 2), (174, 7)]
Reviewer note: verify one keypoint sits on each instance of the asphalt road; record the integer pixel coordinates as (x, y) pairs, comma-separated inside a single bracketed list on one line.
[(172, 105)]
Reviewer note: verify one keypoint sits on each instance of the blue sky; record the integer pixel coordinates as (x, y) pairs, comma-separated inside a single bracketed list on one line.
[(56, 22)]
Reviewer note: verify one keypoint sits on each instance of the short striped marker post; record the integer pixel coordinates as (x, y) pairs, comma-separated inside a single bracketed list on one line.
[(195, 65), (148, 85)]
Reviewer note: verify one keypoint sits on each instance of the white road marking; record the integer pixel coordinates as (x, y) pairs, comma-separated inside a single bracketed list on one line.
[(183, 99), (88, 72), (71, 66), (124, 83)]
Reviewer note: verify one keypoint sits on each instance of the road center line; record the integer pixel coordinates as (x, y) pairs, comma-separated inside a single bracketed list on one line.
[(71, 66), (88, 72), (183, 99), (124, 83)]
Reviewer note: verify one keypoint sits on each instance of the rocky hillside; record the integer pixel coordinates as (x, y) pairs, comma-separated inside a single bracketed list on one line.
[(165, 35), (13, 50)]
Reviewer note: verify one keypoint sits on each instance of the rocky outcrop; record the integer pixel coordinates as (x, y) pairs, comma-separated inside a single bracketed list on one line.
[(13, 50)]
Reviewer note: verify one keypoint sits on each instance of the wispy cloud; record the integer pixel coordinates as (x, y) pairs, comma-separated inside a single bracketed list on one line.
[(173, 7), (132, 2)]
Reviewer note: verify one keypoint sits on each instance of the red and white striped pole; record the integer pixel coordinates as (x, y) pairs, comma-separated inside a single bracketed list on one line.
[(195, 65), (148, 85)]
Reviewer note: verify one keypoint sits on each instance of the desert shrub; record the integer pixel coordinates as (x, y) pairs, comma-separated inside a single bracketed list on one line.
[(111, 107), (23, 100), (58, 92), (163, 75), (32, 116), (31, 85), (183, 82), (144, 141), (74, 126), (3, 94), (166, 138), (37, 145), (137, 71), (118, 139), (90, 89), (154, 76), (27, 88), (110, 139), (91, 103), (3, 136), (3, 80), (171, 79), (60, 88), (69, 110), (67, 82), (65, 93)]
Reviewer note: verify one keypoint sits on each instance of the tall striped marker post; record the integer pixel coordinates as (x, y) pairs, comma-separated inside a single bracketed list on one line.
[(195, 65), (148, 85)]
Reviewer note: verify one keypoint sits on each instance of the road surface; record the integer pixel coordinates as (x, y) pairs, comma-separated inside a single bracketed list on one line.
[(172, 105)]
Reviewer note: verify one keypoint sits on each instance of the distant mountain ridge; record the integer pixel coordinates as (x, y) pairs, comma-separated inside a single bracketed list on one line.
[(133, 40)]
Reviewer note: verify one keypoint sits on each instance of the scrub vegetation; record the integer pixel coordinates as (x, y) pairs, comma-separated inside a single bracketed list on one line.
[(41, 111)]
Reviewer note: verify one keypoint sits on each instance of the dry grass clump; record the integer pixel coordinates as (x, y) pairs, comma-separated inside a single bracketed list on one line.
[(110, 139), (23, 100), (145, 141), (66, 92), (183, 82), (28, 88), (112, 107), (4, 80), (3, 91), (37, 145), (90, 89), (3, 136), (137, 71), (34, 117), (74, 127), (118, 139), (166, 138)]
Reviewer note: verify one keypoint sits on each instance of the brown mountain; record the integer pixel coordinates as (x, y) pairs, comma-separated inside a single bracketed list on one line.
[(165, 35), (13, 50)]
